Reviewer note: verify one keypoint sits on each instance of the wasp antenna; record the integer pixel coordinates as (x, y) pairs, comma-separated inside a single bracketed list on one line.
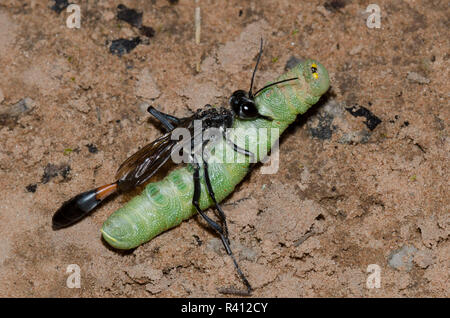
[(250, 94), (272, 84)]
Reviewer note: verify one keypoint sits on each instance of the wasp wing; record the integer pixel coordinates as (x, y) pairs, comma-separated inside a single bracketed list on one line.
[(143, 164)]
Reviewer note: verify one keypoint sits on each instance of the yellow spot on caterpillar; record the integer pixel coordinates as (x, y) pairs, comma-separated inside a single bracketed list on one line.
[(314, 71)]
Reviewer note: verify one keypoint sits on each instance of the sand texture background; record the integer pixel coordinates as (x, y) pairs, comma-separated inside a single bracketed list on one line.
[(363, 176)]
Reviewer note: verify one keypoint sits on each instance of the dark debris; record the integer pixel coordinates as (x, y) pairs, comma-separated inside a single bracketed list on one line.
[(59, 5), (51, 171), (31, 187), (134, 18), (130, 16), (8, 121), (92, 148), (122, 46), (292, 62), (147, 31), (371, 122), (198, 240), (11, 114), (335, 5), (324, 129)]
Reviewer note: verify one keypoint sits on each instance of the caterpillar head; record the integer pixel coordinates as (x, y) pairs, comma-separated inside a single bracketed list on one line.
[(293, 93), (316, 77)]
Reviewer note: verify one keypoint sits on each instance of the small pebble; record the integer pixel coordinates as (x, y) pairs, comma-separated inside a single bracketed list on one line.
[(146, 86), (215, 245), (321, 9), (423, 259), (417, 78), (401, 259), (355, 137), (356, 50), (143, 107), (249, 254), (23, 106)]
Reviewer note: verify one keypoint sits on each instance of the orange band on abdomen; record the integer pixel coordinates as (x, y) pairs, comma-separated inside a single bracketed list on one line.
[(104, 191)]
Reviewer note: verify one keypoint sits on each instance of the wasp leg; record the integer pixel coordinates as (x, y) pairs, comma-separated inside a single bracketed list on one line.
[(196, 197), (213, 197), (166, 120), (219, 230), (237, 148)]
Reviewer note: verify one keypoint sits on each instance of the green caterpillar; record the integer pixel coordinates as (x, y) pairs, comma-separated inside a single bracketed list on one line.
[(165, 204)]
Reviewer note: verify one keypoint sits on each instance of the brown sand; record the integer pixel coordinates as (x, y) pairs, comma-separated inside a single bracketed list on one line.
[(344, 197)]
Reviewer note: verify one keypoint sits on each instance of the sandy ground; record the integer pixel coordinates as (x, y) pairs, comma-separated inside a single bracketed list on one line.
[(363, 176)]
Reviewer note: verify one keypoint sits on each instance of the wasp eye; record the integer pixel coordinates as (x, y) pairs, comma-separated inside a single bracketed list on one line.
[(243, 106), (248, 110)]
